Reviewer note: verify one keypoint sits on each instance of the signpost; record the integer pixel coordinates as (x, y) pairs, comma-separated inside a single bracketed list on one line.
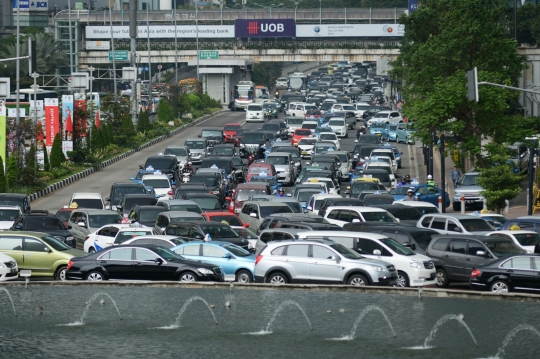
[(159, 67), (119, 55), (208, 54)]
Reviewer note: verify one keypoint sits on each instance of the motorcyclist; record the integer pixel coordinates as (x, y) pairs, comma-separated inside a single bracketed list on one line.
[(403, 182), (410, 196), (262, 151), (359, 132), (188, 168), (281, 193), (251, 159)]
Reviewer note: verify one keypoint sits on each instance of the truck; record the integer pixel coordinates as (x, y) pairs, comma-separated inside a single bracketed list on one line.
[(298, 82)]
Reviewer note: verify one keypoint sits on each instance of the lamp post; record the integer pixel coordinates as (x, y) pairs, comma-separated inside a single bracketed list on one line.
[(197, 35), (113, 57), (175, 49), (320, 12), (91, 69), (149, 61)]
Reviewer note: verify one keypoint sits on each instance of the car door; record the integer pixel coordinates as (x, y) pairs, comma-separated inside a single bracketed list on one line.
[(101, 237), (77, 227), (324, 267), (12, 246), (523, 272), (217, 255), (191, 251), (145, 266), (298, 263), (455, 258), (118, 263), (431, 195), (439, 224), (38, 257), (474, 260)]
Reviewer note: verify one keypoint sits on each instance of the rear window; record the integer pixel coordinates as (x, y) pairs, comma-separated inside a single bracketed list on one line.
[(336, 123), (95, 203), (254, 108), (302, 132), (383, 177), (268, 210), (441, 244)]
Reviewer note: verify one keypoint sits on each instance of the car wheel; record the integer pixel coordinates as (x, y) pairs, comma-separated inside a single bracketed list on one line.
[(442, 278), (358, 280), (456, 206), (61, 273), (92, 250), (397, 139), (278, 278), (187, 277), (499, 286), (94, 276), (402, 280), (244, 276)]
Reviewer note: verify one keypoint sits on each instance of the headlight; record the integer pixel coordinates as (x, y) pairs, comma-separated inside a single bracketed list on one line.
[(378, 268), (70, 238), (215, 192), (113, 208), (205, 271), (458, 194), (242, 145), (2, 265), (60, 238), (415, 264)]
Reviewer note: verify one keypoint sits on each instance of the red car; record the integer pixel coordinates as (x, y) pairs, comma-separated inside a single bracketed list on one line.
[(312, 114), (229, 131), (300, 133), (63, 214), (260, 167), (242, 193), (231, 218)]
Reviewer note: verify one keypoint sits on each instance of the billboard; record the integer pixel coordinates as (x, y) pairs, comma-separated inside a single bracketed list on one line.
[(79, 125), (350, 30), (98, 45), (23, 5), (42, 5), (52, 125), (413, 5), (67, 117), (161, 32), (265, 28), (3, 115)]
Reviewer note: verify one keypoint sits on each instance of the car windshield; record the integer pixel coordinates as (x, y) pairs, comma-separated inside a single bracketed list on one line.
[(302, 132), (120, 192), (427, 210), (254, 108), (146, 201), (469, 180), (253, 138), (237, 251), (527, 239), (218, 231), (166, 254), (181, 192), (504, 247), (231, 127), (159, 163), (183, 219), (344, 251), (328, 136), (307, 141), (9, 202), (294, 121), (393, 127), (223, 151), (175, 151), (369, 139), (336, 123), (231, 220), (211, 133), (186, 207), (475, 225), (361, 186), (150, 214), (270, 180), (43, 224), (349, 107), (209, 181), (194, 145), (61, 215), (303, 196), (207, 203), (278, 160), (382, 176), (378, 125), (100, 220), (268, 210), (381, 115), (397, 247), (377, 217), (295, 206), (224, 164), (156, 183), (258, 169), (13, 214), (311, 126), (94, 203), (244, 194), (370, 201), (127, 235), (55, 243)]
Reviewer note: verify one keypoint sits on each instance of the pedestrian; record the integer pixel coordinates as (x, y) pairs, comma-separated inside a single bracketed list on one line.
[(430, 180), (455, 175)]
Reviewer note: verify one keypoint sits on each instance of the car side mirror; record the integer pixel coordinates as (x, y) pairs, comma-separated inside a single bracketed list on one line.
[(199, 136), (69, 227), (336, 258), (481, 253), (246, 225), (141, 167), (376, 252), (254, 215), (355, 220), (18, 227), (81, 224), (159, 261), (131, 178), (457, 229), (47, 249), (228, 198), (108, 199), (198, 236), (118, 207), (227, 255), (289, 195)]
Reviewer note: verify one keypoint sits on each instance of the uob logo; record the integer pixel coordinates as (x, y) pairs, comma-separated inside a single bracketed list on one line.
[(253, 27)]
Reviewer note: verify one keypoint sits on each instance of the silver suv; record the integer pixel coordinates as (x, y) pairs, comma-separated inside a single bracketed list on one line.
[(324, 262), (468, 188)]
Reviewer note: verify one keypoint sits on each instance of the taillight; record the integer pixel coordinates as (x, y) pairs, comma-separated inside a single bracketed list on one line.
[(70, 263), (170, 193), (85, 238), (258, 259), (211, 192), (475, 273)]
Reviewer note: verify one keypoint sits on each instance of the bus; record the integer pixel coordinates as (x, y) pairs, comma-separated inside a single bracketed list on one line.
[(25, 95), (243, 94), (298, 82), (261, 92)]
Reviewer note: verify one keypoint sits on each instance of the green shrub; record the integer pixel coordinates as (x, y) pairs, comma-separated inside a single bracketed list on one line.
[(3, 184), (57, 156), (46, 158), (12, 171)]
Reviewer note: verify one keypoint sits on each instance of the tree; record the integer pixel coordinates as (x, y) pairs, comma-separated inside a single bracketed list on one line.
[(28, 173), (444, 39), (500, 183), (45, 158), (165, 112), (12, 171), (95, 139), (57, 156), (143, 124), (3, 184)]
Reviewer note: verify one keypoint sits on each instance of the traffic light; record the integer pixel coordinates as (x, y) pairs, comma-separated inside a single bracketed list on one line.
[(472, 85)]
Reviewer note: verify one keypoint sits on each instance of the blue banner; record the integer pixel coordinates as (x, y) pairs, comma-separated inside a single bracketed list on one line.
[(21, 4), (413, 5)]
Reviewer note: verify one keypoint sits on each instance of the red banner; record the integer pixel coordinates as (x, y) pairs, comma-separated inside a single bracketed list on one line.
[(52, 121), (80, 115)]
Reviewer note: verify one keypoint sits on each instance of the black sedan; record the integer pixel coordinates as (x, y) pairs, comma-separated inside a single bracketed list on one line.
[(519, 272), (141, 262)]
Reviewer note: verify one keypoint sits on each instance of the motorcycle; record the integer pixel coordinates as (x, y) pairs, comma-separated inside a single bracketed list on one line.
[(251, 159), (186, 177)]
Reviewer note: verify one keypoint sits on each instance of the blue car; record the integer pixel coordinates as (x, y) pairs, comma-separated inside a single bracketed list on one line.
[(389, 132), (138, 177), (376, 128), (237, 263), (271, 180), (423, 191)]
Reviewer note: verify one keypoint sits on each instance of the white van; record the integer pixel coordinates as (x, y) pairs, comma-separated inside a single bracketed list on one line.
[(254, 113), (341, 215), (413, 269)]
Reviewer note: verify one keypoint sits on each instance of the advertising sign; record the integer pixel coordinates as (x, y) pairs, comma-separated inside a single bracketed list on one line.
[(350, 30), (79, 105), (41, 5), (162, 31), (264, 28), (52, 125), (98, 45), (67, 117), (23, 5), (3, 133), (39, 109), (413, 5), (12, 112)]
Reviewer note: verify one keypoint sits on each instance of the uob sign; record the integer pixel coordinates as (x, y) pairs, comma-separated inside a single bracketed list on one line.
[(265, 28)]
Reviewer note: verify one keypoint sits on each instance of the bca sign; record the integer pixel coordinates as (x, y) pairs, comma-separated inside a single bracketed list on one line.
[(39, 5), (265, 28)]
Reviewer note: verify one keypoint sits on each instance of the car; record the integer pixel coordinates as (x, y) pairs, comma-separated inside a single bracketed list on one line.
[(161, 183), (386, 116), (515, 273), (524, 239), (468, 189), (495, 219), (341, 215), (330, 186), (129, 200), (164, 241), (8, 215), (294, 123), (455, 255), (87, 200), (197, 149), (270, 110), (369, 167), (252, 141), (182, 153), (179, 205), (325, 262), (243, 192), (271, 180), (85, 221), (190, 187), (8, 268), (114, 235), (254, 212), (145, 215), (45, 222), (284, 166), (140, 262), (119, 190), (254, 113), (229, 130), (140, 173), (222, 150), (15, 199), (330, 137), (232, 219), (384, 200), (258, 168), (39, 252), (306, 146), (166, 164), (282, 83), (165, 219), (390, 132), (207, 230), (314, 202), (299, 134), (424, 192), (237, 263), (451, 223), (405, 133), (339, 126), (213, 136)]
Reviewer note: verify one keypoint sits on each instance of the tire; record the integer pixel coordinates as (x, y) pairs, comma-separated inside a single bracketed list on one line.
[(243, 276), (91, 250), (61, 273), (442, 278), (500, 286), (187, 277), (278, 278), (94, 276), (397, 139), (358, 280), (456, 206), (403, 280)]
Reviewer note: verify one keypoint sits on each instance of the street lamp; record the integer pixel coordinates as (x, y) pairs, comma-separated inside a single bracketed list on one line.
[(295, 7), (320, 12)]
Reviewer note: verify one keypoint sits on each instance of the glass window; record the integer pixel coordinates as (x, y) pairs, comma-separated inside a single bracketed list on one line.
[(278, 251), (527, 239), (476, 225), (333, 214), (322, 252), (453, 226), (367, 246), (536, 261), (438, 223), (266, 237), (213, 251), (343, 215), (520, 263), (475, 247), (441, 244), (33, 245), (125, 235), (192, 250), (502, 247), (142, 254), (459, 246), (11, 243), (298, 250), (121, 254), (143, 241)]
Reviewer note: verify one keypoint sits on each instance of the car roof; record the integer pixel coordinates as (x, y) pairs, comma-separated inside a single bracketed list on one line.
[(267, 203), (271, 154), (93, 211), (16, 195), (289, 241), (177, 214), (358, 208), (178, 201), (452, 215), (157, 176), (86, 195), (286, 230), (127, 184), (343, 234)]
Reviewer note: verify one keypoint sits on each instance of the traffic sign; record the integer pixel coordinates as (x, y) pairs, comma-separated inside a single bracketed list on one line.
[(144, 68), (119, 55), (208, 54), (69, 79), (159, 67)]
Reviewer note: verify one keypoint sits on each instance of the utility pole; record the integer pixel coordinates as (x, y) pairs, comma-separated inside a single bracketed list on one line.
[(133, 35), (149, 61), (113, 57)]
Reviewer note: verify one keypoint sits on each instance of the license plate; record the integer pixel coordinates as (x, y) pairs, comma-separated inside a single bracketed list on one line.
[(469, 201), (305, 153), (379, 134)]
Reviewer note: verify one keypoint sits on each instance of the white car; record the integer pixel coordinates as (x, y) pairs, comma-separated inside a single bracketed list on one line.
[(254, 113), (161, 183), (291, 110), (386, 152), (114, 234), (361, 107), (91, 200), (413, 269), (383, 166), (339, 126), (423, 207), (8, 267), (282, 83), (8, 215), (386, 116), (162, 240), (331, 137), (330, 186), (524, 239), (342, 215), (314, 202), (305, 145)]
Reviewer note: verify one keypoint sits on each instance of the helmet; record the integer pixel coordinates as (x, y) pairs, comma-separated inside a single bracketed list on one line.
[(189, 163), (73, 205), (225, 222), (407, 176), (429, 177), (410, 190), (281, 190), (403, 179)]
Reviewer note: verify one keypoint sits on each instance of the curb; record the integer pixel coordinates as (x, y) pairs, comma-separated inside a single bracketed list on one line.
[(66, 181)]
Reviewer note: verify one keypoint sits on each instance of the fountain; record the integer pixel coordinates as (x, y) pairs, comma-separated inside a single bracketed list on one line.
[(88, 304), (366, 310), (511, 335), (278, 310), (188, 302), (10, 299)]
